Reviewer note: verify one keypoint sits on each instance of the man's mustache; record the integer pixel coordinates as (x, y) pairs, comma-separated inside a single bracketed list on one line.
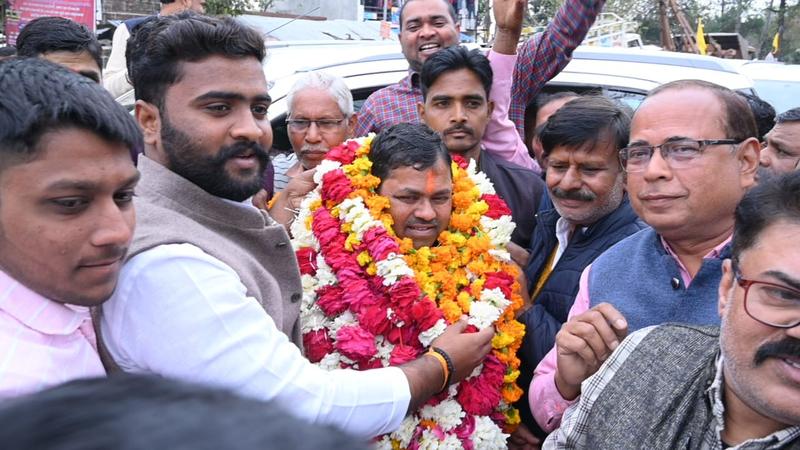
[(426, 223), (306, 149), (240, 148), (779, 349), (460, 128), (579, 195)]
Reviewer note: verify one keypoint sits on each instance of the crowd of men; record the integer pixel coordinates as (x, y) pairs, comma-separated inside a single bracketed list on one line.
[(658, 246)]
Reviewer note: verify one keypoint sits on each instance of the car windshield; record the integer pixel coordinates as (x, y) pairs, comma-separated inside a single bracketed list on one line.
[(782, 95)]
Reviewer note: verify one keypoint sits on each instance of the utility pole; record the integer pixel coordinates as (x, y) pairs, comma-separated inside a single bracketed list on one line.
[(781, 16), (667, 42)]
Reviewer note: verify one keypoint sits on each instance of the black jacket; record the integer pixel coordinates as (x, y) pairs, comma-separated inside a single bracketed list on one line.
[(520, 188)]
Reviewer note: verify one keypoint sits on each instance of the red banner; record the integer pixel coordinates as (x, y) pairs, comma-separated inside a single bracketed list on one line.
[(20, 12)]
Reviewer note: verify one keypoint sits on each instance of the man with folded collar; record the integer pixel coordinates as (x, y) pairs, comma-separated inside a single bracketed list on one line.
[(66, 219), (590, 213)]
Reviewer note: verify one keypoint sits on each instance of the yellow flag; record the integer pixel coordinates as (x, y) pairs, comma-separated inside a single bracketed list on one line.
[(701, 37), (776, 43)]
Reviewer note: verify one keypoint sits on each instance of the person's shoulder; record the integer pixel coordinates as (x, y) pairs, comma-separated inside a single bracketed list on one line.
[(510, 166), (391, 89), (625, 248)]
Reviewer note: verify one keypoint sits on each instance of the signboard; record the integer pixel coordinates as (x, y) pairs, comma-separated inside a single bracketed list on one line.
[(20, 12)]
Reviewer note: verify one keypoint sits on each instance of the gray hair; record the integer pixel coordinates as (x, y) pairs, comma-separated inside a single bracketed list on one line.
[(331, 83)]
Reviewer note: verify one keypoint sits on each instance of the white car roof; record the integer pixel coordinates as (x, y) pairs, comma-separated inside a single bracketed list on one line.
[(629, 70)]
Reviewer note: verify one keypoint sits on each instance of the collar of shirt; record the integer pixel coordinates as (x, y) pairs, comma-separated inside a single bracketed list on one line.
[(715, 396), (412, 80), (714, 253), (38, 312), (563, 233)]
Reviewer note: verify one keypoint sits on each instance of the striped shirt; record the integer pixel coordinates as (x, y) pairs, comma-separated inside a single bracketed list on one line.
[(282, 162), (42, 342)]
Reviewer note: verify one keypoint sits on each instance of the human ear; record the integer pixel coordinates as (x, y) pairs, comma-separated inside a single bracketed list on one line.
[(725, 287), (748, 155), (149, 118)]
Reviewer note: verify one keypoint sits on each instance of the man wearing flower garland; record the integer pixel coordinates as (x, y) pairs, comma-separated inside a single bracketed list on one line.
[(686, 170), (395, 243), (736, 386), (211, 289), (456, 85), (429, 26)]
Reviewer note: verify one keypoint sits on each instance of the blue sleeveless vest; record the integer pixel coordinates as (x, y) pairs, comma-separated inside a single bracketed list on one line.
[(643, 282)]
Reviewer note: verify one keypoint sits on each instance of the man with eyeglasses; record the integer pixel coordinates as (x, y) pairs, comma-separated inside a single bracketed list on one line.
[(781, 154), (320, 117), (736, 386), (692, 154)]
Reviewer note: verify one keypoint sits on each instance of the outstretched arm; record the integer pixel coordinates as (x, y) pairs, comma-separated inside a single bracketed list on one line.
[(500, 137), (543, 56)]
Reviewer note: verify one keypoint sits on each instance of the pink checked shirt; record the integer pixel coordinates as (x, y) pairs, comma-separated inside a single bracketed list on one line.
[(42, 343)]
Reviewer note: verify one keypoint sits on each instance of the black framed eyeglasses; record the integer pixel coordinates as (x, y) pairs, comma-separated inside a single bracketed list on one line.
[(772, 304), (679, 154), (324, 125)]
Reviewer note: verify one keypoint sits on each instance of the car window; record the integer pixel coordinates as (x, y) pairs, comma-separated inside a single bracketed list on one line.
[(782, 95)]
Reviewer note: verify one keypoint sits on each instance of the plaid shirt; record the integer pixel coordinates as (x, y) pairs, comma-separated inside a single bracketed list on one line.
[(543, 56), (540, 59), (574, 427)]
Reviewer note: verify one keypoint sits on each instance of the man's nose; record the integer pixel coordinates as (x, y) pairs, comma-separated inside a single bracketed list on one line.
[(313, 134), (571, 179), (112, 227), (764, 157), (425, 211), (248, 127)]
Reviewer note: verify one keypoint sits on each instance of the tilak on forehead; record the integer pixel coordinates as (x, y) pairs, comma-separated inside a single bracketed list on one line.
[(430, 182)]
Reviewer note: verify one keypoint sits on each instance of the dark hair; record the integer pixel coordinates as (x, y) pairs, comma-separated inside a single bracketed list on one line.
[(772, 200), (7, 51), (40, 96), (165, 2), (792, 115), (455, 58), (540, 101), (763, 113), (543, 99), (585, 120), (450, 10), (406, 145), (138, 412), (53, 34), (738, 122), (159, 46)]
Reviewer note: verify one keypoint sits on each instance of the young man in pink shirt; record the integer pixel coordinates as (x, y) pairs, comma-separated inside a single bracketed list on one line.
[(66, 219)]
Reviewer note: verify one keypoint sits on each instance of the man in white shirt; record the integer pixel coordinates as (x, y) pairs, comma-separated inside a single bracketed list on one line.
[(211, 290)]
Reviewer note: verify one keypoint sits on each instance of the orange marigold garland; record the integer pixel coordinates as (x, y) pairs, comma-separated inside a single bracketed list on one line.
[(372, 300)]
